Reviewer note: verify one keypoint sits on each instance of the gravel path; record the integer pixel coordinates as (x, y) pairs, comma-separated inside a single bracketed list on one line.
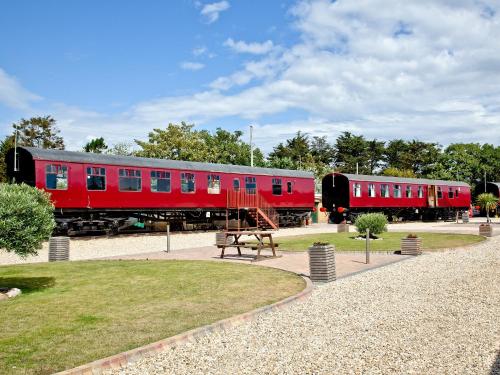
[(435, 314)]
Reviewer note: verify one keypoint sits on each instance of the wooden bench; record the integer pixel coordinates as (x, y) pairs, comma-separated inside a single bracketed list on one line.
[(222, 242)]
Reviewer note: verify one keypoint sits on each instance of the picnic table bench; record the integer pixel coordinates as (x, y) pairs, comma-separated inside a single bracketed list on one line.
[(223, 243)]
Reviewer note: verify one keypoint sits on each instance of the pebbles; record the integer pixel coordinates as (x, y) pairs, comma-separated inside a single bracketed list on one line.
[(435, 314)]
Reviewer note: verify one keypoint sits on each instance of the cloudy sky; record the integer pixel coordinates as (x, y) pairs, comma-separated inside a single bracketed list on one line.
[(420, 69)]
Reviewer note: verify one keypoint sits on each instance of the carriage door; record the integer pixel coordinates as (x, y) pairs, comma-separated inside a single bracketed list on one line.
[(431, 196)]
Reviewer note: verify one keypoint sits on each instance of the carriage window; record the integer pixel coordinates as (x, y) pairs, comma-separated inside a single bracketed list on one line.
[(371, 190), (289, 188), (277, 186), (236, 184), (357, 190), (213, 184), (56, 177), (250, 185), (420, 192), (188, 182), (397, 191), (440, 192), (408, 191), (160, 182), (96, 178), (456, 192), (384, 191), (129, 180), (450, 193)]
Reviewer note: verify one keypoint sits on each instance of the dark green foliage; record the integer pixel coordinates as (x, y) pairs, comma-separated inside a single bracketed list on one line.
[(376, 222), (39, 132), (5, 145), (26, 218), (183, 142), (96, 145)]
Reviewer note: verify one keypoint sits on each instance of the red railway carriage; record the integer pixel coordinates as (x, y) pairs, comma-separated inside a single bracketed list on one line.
[(347, 195), (105, 189)]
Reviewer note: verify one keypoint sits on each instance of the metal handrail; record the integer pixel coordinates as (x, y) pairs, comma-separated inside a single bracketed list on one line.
[(250, 198)]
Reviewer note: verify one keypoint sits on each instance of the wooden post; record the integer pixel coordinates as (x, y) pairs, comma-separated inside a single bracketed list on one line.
[(367, 246)]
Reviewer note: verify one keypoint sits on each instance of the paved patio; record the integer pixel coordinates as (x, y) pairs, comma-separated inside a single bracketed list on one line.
[(346, 263)]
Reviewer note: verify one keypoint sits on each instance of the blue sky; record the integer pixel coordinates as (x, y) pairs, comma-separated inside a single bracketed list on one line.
[(375, 67)]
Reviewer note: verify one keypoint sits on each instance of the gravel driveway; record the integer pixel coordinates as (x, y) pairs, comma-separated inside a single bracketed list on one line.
[(435, 314)]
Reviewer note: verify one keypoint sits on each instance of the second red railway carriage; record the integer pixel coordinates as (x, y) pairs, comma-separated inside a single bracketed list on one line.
[(347, 195), (102, 191)]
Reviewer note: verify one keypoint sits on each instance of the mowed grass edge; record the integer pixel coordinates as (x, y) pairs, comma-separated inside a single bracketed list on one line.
[(71, 313), (390, 241)]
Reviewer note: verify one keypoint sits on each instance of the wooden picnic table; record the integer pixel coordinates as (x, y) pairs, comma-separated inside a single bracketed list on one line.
[(238, 244)]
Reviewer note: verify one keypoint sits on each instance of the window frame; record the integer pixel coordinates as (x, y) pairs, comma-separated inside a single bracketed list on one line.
[(439, 192), (396, 188), (356, 190), (139, 177), (280, 184), (451, 194), (372, 191), (420, 192), (209, 181), (169, 179), (385, 187), (236, 179), (182, 175), (95, 175), (254, 182), (64, 168), (409, 189)]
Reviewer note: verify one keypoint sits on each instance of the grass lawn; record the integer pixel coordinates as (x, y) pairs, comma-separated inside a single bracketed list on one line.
[(390, 241), (71, 313)]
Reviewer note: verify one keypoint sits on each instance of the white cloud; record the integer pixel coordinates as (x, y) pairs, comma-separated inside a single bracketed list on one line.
[(198, 51), (211, 11), (13, 95), (381, 68), (253, 48), (190, 65)]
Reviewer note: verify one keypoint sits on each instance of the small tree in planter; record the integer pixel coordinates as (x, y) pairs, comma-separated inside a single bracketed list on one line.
[(26, 219), (487, 202), (375, 222)]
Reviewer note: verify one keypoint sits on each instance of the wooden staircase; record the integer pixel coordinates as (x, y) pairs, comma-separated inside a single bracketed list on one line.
[(259, 213)]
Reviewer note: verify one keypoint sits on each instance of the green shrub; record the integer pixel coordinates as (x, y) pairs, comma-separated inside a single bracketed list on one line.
[(26, 218), (377, 223)]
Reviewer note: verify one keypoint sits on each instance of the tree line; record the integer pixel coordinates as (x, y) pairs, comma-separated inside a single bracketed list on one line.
[(349, 153)]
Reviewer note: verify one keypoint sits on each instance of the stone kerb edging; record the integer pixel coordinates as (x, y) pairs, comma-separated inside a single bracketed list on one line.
[(122, 359)]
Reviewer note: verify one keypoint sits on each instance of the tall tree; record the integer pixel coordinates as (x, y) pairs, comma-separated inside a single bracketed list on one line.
[(96, 146), (39, 132), (352, 150), (375, 152), (176, 142), (297, 149), (417, 156), (121, 149), (228, 148)]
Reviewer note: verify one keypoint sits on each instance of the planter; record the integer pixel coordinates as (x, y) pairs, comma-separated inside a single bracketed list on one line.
[(485, 230), (322, 263), (465, 217), (411, 246), (342, 227), (58, 249)]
